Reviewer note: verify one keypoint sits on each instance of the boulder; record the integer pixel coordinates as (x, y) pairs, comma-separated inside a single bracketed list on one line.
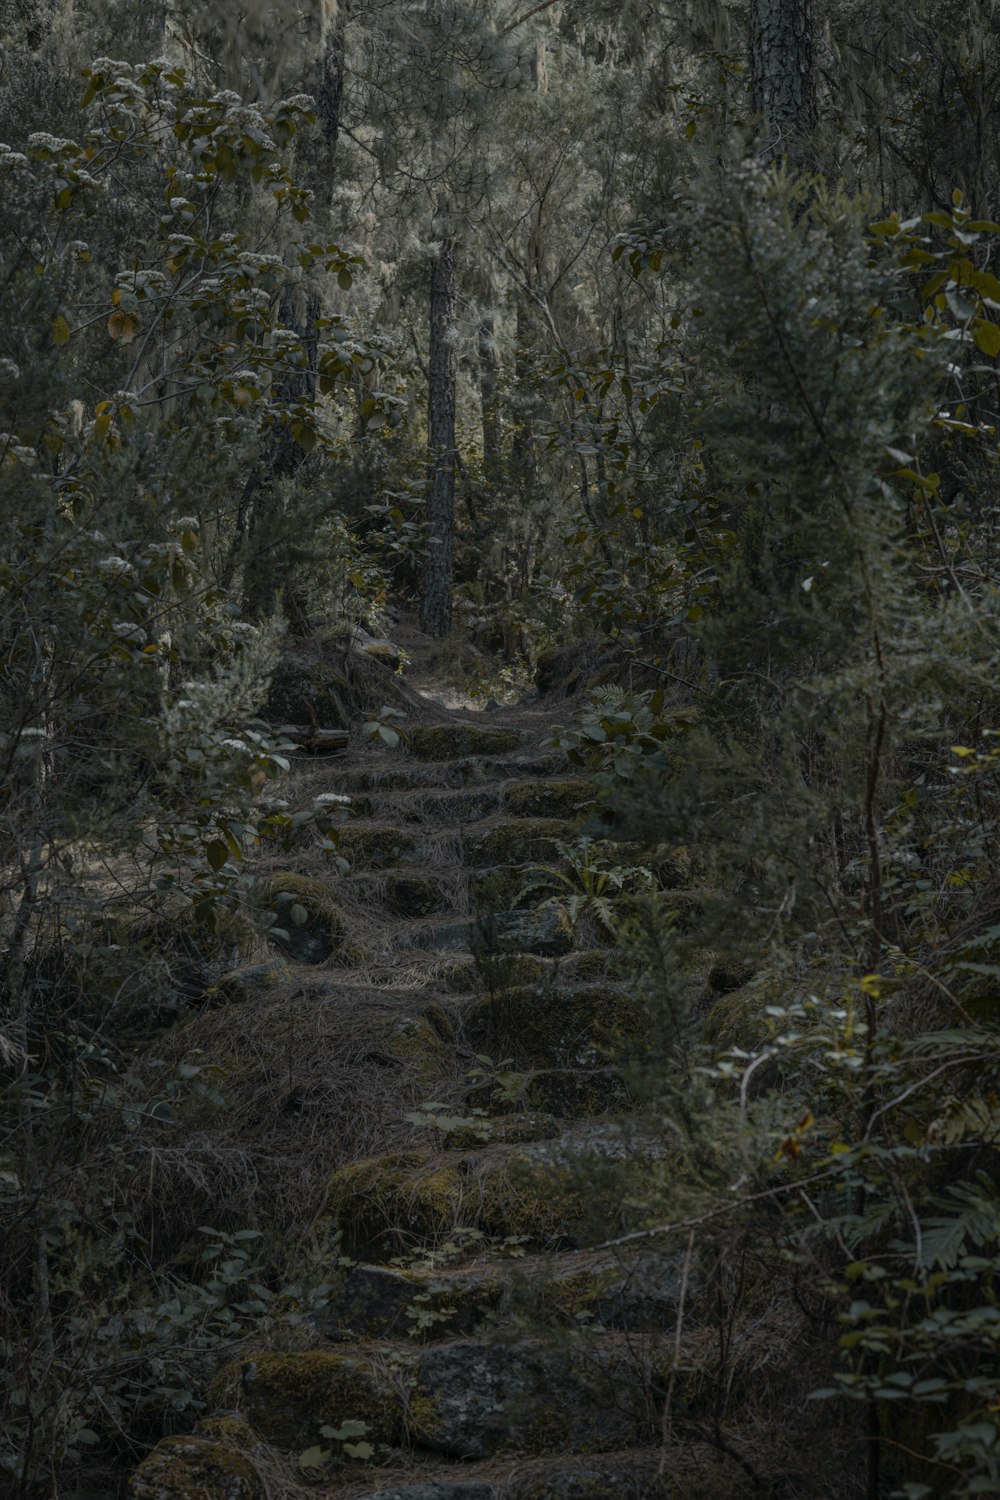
[(195, 1468), (458, 740), (381, 1302), (475, 1400), (288, 1398), (310, 927), (540, 1028)]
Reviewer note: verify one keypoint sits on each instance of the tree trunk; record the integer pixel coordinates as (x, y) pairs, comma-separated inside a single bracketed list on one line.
[(781, 61), (522, 448), (488, 380), (435, 608)]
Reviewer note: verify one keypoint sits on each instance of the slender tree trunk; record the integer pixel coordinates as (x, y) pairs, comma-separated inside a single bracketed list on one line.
[(488, 380), (522, 449), (781, 62), (435, 608)]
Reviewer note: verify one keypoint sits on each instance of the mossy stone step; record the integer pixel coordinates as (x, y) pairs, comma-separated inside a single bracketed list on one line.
[(385, 1206), (565, 797), (439, 807), (394, 774), (382, 1302), (288, 1397), (378, 845), (518, 841), (445, 742), (182, 1468), (566, 1092), (478, 1400), (546, 931), (310, 926), (561, 1028)]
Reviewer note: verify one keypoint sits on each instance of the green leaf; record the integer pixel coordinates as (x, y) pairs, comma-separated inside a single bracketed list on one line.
[(389, 736), (297, 914), (60, 331), (344, 279), (314, 1458), (359, 1450), (217, 852), (986, 336)]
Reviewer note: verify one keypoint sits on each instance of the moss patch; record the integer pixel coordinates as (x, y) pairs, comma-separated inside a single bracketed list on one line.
[(388, 1204), (317, 936), (195, 1468), (560, 1029), (384, 1302), (419, 1043), (287, 1398), (550, 798), (449, 741), (375, 845), (518, 841), (408, 894)]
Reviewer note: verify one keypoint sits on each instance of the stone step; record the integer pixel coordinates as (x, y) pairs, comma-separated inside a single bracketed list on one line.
[(517, 841), (378, 1302), (391, 772), (443, 742), (408, 1201), (563, 1028), (545, 932), (464, 1399), (434, 805), (563, 1092), (378, 845)]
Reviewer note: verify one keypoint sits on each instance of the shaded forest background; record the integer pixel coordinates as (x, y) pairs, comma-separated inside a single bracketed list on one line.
[(655, 339)]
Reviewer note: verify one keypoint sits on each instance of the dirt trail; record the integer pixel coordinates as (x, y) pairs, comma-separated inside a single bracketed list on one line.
[(452, 1113)]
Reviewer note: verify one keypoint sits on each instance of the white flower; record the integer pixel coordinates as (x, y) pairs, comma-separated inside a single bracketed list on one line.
[(330, 799), (235, 745)]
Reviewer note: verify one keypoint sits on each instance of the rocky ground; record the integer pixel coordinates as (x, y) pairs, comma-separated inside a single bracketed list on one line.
[(434, 1054)]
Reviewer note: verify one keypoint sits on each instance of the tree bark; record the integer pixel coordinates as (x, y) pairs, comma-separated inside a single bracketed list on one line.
[(488, 381), (435, 609), (784, 91)]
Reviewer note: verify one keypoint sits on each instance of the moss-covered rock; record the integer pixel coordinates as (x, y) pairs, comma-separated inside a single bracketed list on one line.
[(545, 932), (382, 1302), (639, 1296), (420, 1044), (241, 985), (474, 1400), (736, 1018), (310, 926), (451, 741), (376, 845), (287, 1398), (385, 1205), (572, 1028), (518, 841), (196, 1468), (399, 1203), (504, 1129), (569, 1092), (307, 688), (410, 894), (550, 797)]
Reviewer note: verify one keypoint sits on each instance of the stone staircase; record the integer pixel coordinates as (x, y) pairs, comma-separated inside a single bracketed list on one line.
[(490, 1347)]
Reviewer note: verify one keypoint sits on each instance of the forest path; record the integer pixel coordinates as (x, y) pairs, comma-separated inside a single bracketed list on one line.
[(456, 1117)]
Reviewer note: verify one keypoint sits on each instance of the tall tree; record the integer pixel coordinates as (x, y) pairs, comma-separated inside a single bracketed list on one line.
[(435, 607), (781, 63)]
